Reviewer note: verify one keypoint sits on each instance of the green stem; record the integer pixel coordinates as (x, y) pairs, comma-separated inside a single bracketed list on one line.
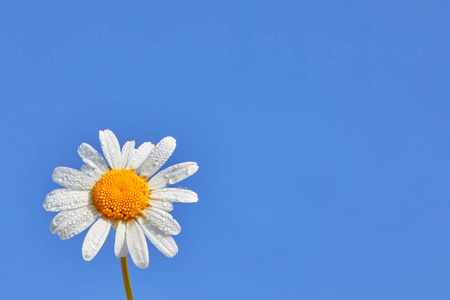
[(126, 278)]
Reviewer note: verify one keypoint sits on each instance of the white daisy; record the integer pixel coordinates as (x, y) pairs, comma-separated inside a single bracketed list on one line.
[(123, 195)]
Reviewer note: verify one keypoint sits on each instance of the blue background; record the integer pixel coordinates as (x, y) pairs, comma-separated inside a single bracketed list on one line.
[(321, 129)]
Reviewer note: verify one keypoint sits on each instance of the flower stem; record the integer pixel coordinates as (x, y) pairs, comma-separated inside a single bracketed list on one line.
[(126, 278)]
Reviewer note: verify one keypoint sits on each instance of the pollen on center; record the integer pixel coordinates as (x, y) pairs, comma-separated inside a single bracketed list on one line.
[(120, 194)]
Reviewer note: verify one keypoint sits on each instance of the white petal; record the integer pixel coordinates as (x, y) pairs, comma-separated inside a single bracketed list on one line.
[(158, 156), (91, 157), (64, 216), (66, 199), (95, 174), (174, 195), (86, 169), (95, 238), (137, 245), (162, 220), (162, 205), (172, 175), (127, 152), (139, 156), (120, 245), (111, 149), (69, 223), (72, 179), (162, 241)]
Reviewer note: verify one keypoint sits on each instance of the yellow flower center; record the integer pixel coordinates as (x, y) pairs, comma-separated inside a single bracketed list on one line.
[(120, 194)]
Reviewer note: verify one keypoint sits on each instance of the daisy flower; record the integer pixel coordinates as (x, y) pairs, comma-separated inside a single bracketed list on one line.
[(121, 192)]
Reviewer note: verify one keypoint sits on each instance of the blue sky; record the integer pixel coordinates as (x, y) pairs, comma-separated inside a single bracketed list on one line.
[(321, 129)]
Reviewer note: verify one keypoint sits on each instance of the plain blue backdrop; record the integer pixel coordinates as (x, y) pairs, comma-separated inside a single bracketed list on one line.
[(321, 129)]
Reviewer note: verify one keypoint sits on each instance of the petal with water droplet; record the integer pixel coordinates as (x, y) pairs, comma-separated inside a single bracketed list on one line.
[(95, 238), (163, 242), (73, 179), (162, 205), (139, 156), (174, 195), (95, 174), (66, 199), (158, 156), (111, 148), (127, 152), (172, 175), (91, 157), (137, 245), (69, 223), (162, 220), (120, 244)]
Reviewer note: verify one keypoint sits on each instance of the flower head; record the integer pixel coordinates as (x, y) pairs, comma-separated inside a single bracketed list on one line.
[(123, 193)]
